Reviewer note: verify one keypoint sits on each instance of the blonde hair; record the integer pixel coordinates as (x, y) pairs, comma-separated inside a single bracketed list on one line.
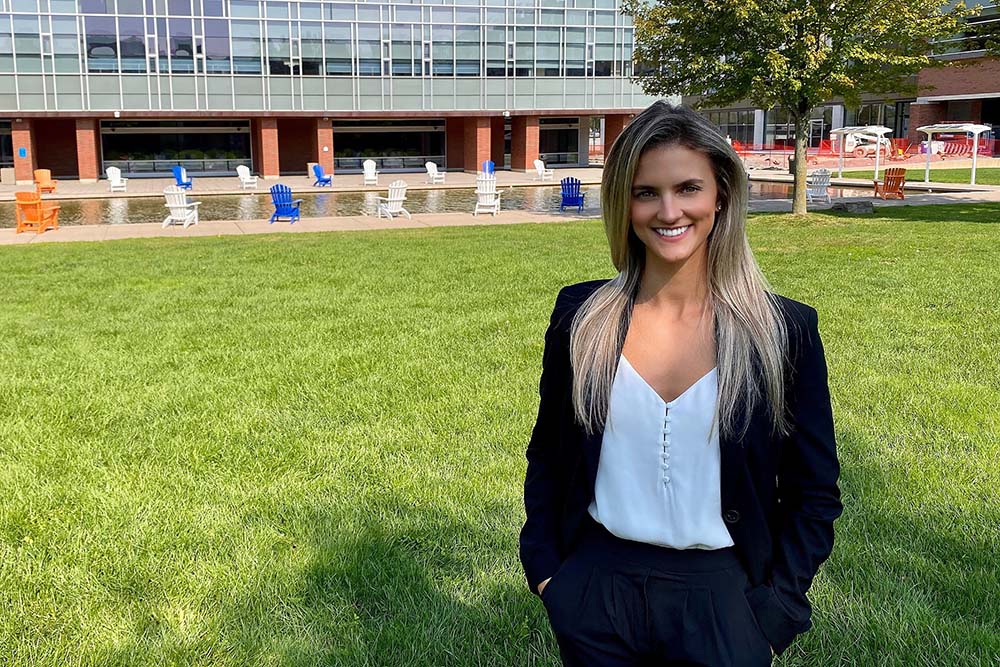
[(750, 333)]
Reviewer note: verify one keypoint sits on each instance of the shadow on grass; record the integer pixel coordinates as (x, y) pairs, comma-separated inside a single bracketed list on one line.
[(907, 585)]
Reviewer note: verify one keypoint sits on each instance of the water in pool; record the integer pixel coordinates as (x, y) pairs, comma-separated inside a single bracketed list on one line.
[(133, 210)]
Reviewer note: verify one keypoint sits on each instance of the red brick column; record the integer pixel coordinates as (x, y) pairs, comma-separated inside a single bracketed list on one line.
[(324, 145), (477, 143), (88, 146), (523, 143), (924, 114), (268, 133), (613, 126), (454, 129), (22, 136), (496, 141)]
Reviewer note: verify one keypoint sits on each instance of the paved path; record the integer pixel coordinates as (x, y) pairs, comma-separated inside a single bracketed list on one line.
[(952, 194)]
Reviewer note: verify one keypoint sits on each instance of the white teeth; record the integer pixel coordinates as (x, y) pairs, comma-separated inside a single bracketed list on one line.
[(676, 231)]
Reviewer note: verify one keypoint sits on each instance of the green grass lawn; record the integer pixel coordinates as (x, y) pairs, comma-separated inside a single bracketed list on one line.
[(308, 449), (984, 176)]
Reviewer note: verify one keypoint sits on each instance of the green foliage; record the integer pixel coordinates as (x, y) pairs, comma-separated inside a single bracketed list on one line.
[(788, 53), (793, 54)]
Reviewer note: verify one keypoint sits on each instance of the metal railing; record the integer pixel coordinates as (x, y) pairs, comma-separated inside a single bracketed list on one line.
[(206, 167), (388, 163)]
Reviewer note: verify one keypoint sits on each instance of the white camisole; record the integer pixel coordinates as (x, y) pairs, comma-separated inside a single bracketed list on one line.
[(658, 479)]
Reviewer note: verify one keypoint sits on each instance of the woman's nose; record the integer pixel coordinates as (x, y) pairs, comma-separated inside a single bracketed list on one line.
[(669, 210)]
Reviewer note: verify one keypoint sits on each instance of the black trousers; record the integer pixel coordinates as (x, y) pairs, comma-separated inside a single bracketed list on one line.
[(614, 603)]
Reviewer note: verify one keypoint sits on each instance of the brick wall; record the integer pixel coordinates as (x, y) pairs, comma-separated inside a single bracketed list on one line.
[(55, 145), (267, 138), (966, 77), (324, 138), (22, 136), (297, 137), (613, 126), (523, 142), (476, 143), (924, 114), (88, 150)]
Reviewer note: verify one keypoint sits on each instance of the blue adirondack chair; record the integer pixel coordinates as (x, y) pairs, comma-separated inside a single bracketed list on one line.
[(321, 177), (284, 205), (571, 195), (488, 167), (180, 175)]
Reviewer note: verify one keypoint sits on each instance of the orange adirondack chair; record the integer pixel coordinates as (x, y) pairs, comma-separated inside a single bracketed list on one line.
[(891, 187), (34, 214), (43, 181)]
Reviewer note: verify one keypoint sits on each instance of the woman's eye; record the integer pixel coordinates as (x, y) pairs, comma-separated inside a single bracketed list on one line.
[(645, 194), (691, 188)]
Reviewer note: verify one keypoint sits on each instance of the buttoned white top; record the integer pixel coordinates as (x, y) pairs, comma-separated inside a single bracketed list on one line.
[(658, 479)]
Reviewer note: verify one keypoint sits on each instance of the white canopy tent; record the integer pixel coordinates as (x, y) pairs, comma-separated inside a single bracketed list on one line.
[(877, 130), (952, 128)]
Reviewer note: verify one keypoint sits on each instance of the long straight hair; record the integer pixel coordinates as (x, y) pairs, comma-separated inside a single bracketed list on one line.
[(750, 334)]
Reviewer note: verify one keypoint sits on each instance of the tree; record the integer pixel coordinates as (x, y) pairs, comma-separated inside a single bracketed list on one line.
[(792, 54)]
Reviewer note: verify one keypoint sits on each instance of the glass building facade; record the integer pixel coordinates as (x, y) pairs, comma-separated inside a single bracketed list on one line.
[(246, 59)]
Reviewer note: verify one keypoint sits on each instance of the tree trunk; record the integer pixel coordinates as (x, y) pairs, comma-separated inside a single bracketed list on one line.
[(801, 143)]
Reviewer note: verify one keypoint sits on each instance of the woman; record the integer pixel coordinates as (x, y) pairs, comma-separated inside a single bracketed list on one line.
[(682, 474)]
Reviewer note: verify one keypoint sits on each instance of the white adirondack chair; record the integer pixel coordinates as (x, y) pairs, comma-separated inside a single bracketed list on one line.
[(371, 176), (433, 175), (246, 179), (543, 173), (393, 204), (487, 197), (817, 186), (182, 211), (115, 181)]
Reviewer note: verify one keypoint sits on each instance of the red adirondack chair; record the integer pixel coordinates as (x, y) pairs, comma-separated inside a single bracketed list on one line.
[(891, 187)]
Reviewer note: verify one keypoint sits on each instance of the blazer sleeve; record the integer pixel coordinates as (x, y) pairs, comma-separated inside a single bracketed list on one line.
[(808, 496), (542, 498)]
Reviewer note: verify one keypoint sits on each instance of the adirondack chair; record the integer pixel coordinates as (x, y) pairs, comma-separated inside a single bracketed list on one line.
[(489, 167), (181, 177), (284, 205), (115, 181), (43, 181), (32, 214), (487, 197), (371, 176), (543, 173), (182, 211), (393, 204), (247, 180), (891, 186), (817, 186), (571, 195), (321, 177), (433, 175)]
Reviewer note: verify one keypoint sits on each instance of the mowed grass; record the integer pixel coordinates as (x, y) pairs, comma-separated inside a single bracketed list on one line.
[(308, 449), (984, 175)]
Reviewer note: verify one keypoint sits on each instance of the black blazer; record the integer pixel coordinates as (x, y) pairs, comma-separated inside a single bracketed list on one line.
[(779, 494)]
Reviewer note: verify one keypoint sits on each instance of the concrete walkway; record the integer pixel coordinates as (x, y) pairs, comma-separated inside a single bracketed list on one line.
[(942, 193)]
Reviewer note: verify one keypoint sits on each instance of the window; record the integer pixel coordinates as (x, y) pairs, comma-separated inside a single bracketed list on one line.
[(246, 47), (311, 48), (132, 44), (216, 47), (403, 52), (181, 45), (338, 48), (467, 45), (443, 50), (102, 44), (279, 52)]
